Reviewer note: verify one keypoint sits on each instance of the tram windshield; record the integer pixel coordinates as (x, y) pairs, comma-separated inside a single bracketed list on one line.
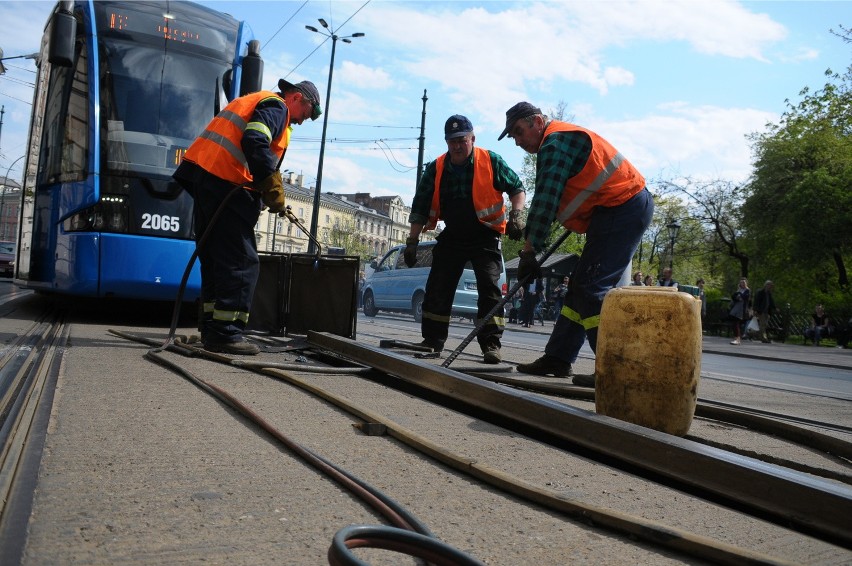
[(159, 86)]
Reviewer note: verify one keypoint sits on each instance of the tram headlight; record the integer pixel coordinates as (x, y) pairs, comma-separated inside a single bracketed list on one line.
[(108, 215)]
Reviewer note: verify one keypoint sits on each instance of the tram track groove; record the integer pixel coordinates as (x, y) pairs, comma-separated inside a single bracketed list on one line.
[(632, 526), (27, 409)]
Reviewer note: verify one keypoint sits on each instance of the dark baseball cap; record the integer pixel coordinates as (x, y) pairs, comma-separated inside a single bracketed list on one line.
[(457, 126), (308, 89), (515, 113)]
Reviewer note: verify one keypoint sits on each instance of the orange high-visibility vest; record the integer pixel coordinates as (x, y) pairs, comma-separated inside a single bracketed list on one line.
[(218, 150), (607, 179), (487, 201)]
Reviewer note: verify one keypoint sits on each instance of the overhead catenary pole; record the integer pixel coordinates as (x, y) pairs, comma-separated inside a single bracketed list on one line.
[(312, 247), (422, 140)]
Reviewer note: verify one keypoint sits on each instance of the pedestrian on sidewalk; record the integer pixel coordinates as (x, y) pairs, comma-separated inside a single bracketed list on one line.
[(702, 296), (666, 279), (764, 308), (820, 326), (739, 312)]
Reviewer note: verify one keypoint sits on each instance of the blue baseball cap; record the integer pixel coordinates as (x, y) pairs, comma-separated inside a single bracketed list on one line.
[(457, 126)]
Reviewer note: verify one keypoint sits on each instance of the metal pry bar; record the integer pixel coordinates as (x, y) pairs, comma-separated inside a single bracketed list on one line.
[(288, 214)]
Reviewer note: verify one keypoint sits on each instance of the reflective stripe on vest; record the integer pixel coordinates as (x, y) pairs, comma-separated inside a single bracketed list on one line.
[(487, 201), (218, 149), (607, 179)]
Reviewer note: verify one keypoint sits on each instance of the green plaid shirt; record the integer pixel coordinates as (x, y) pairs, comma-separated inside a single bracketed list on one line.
[(561, 156)]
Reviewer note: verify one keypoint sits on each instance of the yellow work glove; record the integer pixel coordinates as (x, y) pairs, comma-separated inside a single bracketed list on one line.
[(272, 192)]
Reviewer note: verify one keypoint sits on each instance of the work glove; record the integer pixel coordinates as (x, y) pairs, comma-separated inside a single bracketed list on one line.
[(528, 266), (410, 253), (272, 192), (516, 225)]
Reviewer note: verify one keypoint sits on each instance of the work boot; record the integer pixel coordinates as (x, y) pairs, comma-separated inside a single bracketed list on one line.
[(584, 380), (240, 348), (547, 365), (431, 344), (492, 355)]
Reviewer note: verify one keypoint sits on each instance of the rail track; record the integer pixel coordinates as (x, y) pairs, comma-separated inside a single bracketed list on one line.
[(29, 366), (803, 506), (407, 400)]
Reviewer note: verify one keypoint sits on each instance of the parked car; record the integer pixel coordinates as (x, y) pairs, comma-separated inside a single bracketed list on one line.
[(7, 259), (393, 286)]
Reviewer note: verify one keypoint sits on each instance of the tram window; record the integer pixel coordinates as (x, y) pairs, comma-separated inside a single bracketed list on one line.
[(65, 144)]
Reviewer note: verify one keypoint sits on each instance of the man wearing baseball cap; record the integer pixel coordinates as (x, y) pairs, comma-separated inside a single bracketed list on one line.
[(464, 188), (240, 150), (586, 185)]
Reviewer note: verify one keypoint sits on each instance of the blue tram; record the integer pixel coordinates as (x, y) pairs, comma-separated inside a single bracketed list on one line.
[(123, 88)]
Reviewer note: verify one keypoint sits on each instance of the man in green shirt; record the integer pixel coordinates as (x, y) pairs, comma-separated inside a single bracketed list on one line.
[(464, 188)]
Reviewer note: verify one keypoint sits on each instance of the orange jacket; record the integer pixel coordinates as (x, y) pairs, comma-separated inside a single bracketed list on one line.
[(607, 179), (218, 150), (488, 202)]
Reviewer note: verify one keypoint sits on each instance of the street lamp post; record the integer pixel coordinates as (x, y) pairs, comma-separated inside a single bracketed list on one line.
[(334, 37), (674, 228), (3, 197)]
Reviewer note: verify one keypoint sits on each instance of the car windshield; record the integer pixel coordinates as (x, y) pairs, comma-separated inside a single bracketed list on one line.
[(7, 247)]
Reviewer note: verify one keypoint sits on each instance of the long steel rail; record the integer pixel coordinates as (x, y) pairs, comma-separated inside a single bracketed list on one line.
[(817, 507)]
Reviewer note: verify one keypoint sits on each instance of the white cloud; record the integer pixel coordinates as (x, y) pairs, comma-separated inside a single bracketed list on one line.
[(699, 141), (362, 76)]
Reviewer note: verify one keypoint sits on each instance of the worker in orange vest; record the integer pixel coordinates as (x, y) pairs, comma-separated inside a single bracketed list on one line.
[(464, 188), (590, 188), (240, 149)]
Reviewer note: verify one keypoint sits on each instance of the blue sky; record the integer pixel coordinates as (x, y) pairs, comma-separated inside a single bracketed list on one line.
[(676, 86)]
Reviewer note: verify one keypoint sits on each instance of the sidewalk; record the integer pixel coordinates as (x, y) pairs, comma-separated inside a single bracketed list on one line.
[(786, 352)]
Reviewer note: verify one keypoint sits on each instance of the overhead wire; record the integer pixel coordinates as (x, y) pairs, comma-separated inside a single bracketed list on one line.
[(284, 24), (385, 153)]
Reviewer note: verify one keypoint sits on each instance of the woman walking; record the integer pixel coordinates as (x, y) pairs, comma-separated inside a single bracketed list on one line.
[(739, 309)]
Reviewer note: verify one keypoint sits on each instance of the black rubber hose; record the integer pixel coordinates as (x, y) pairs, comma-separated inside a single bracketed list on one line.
[(432, 550), (379, 502)]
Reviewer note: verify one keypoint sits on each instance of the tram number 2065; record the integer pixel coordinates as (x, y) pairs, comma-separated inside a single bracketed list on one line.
[(160, 222)]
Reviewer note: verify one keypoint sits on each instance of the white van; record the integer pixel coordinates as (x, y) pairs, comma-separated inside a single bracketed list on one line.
[(393, 286)]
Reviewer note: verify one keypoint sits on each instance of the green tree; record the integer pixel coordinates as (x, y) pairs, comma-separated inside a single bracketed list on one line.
[(344, 236), (799, 202), (715, 206)]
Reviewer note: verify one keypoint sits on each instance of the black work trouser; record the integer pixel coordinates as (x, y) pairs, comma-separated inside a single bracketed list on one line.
[(229, 261), (448, 261)]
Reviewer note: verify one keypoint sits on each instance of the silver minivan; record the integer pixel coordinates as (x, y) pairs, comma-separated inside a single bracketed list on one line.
[(393, 286)]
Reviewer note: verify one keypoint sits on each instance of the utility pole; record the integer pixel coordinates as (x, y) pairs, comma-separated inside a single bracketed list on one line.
[(422, 140), (2, 111)]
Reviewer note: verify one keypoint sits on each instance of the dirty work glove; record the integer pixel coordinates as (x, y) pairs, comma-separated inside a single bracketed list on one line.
[(516, 225), (272, 192), (528, 266), (410, 253)]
